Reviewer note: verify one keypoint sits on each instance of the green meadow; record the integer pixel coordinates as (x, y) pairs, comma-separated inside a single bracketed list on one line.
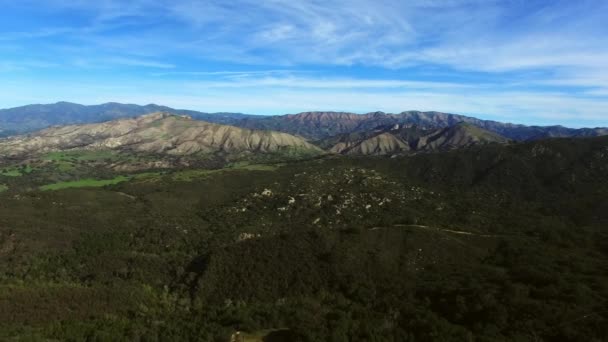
[(16, 171), (84, 183)]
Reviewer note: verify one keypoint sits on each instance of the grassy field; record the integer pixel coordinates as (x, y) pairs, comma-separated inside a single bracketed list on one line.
[(15, 171), (11, 173), (109, 178), (83, 183), (68, 161)]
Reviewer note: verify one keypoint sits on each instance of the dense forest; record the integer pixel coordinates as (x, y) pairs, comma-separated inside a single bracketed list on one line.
[(492, 243)]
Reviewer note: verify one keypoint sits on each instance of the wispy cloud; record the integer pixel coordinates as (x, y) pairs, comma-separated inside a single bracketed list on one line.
[(324, 83), (229, 73), (41, 33), (139, 63), (23, 65)]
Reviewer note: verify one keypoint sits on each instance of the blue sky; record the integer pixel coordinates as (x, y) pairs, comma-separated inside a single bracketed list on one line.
[(524, 61)]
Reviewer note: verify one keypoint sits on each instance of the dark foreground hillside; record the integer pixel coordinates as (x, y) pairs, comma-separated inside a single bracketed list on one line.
[(483, 244)]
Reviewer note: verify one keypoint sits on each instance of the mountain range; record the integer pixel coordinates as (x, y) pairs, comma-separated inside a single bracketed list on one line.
[(310, 125), (171, 135)]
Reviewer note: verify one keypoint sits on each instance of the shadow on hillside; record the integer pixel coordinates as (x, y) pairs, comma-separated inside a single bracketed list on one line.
[(279, 336)]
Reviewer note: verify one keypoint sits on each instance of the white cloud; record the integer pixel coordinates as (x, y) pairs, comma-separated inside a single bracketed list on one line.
[(139, 63), (323, 83), (276, 33), (231, 73)]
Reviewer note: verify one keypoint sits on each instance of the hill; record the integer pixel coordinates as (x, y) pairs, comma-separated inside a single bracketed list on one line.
[(158, 133), (397, 139)]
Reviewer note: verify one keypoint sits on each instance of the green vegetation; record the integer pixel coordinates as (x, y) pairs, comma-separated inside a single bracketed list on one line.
[(253, 167), (500, 243), (67, 161), (16, 171), (193, 174), (84, 155), (187, 175), (190, 175), (12, 173), (101, 155), (3, 187), (284, 154), (84, 183)]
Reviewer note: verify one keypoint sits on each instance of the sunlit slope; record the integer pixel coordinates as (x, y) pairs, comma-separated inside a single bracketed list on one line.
[(159, 133)]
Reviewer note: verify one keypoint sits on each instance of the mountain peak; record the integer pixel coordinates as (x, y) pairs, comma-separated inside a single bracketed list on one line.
[(158, 116), (67, 103)]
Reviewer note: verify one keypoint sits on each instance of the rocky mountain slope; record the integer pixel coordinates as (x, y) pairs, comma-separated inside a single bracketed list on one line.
[(38, 116), (321, 125), (158, 133), (398, 139)]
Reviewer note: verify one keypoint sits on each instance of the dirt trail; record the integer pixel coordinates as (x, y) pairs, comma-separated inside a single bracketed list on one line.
[(440, 229)]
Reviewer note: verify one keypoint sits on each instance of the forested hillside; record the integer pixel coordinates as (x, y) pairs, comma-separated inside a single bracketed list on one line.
[(497, 242)]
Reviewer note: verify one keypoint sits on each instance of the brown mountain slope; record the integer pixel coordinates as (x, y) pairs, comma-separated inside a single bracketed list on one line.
[(398, 139), (154, 133), (458, 136), (383, 143)]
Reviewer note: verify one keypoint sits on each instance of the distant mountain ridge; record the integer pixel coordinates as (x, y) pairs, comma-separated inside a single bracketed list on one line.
[(321, 125), (310, 125), (34, 117)]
